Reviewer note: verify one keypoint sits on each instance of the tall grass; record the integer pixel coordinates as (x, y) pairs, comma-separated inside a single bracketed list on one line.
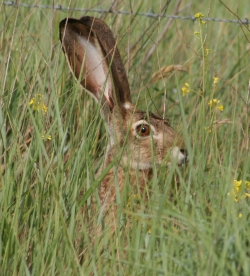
[(50, 152)]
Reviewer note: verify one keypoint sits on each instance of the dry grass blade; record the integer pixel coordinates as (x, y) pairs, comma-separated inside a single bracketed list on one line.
[(222, 122), (164, 71)]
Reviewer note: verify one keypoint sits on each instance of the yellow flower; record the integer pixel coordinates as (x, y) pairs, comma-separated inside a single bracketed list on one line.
[(46, 137), (135, 199), (185, 89), (214, 103), (32, 101), (37, 103), (208, 129), (215, 80), (198, 15), (207, 51), (196, 33), (220, 107), (44, 108), (237, 191)]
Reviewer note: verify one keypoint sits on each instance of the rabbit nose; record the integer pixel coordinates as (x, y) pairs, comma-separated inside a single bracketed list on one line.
[(184, 152)]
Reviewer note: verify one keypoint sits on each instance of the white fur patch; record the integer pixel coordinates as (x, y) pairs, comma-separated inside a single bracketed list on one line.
[(127, 105), (178, 155)]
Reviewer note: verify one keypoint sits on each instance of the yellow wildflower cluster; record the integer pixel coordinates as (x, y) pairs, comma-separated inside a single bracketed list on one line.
[(46, 137), (208, 129), (237, 191), (185, 89), (214, 103), (37, 103), (199, 17)]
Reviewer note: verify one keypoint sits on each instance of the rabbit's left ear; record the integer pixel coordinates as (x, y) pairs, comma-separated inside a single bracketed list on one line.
[(86, 59)]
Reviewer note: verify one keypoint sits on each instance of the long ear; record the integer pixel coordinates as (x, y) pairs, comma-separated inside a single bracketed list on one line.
[(91, 51)]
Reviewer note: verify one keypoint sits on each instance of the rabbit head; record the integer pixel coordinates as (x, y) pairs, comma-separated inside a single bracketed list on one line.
[(95, 61)]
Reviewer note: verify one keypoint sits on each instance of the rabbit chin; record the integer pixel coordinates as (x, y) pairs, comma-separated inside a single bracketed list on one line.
[(136, 164), (176, 157)]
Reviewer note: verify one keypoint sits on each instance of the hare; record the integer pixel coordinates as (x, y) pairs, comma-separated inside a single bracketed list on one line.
[(95, 61)]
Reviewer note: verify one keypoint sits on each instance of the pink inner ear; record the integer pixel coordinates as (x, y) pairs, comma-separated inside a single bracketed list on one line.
[(97, 79), (110, 103)]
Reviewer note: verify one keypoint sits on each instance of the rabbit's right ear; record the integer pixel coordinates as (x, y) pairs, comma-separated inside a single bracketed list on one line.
[(86, 59), (94, 59)]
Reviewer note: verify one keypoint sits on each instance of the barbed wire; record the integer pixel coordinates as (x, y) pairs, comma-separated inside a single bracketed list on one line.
[(244, 21)]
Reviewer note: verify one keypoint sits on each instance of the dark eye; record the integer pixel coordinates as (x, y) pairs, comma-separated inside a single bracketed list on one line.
[(143, 130)]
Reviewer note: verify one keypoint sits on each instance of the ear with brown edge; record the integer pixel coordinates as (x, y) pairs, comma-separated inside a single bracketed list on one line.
[(110, 49), (86, 59), (91, 52)]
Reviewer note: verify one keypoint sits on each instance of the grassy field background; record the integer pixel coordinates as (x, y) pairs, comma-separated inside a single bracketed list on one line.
[(53, 141)]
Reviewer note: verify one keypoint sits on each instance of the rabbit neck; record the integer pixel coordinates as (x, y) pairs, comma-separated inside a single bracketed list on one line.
[(120, 176)]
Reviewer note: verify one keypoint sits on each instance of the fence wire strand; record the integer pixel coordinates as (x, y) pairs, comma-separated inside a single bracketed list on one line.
[(244, 21)]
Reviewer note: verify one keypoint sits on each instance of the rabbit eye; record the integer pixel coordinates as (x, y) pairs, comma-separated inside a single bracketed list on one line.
[(143, 130)]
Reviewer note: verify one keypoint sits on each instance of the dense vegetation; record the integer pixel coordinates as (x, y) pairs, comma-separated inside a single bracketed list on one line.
[(196, 220)]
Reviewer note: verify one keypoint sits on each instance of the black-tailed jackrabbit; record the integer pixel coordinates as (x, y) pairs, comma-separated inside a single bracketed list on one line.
[(94, 58)]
